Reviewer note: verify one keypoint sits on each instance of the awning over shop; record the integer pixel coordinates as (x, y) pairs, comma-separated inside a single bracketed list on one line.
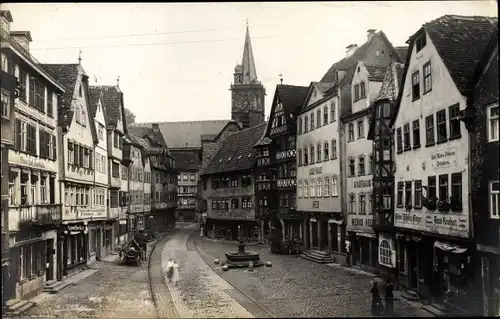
[(449, 247), (366, 235), (334, 221)]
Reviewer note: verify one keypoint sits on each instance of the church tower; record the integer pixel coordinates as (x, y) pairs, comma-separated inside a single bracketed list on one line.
[(248, 94)]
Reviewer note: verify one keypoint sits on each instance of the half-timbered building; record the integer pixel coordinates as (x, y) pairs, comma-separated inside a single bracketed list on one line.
[(433, 210), (383, 173), (277, 162), (482, 120), (228, 188)]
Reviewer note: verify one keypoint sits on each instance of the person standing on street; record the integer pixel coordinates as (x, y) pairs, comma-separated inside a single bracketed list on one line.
[(389, 300), (175, 276), (376, 300), (170, 269)]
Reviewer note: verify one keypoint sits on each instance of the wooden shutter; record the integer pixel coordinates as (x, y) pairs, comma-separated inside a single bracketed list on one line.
[(18, 134), (54, 147), (41, 143)]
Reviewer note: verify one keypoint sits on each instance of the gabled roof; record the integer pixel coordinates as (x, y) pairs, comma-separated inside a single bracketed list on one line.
[(156, 137), (460, 42), (186, 160), (95, 95), (236, 152), (349, 63), (187, 134), (292, 98), (376, 73), (68, 75), (402, 51), (112, 101), (483, 62), (26, 34)]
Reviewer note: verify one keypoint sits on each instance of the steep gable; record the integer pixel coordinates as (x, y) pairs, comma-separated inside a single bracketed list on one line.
[(317, 91), (112, 100)]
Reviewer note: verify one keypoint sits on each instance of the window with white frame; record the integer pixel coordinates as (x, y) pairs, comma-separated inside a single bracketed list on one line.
[(335, 186), (312, 189), (326, 187), (43, 190), (492, 116), (334, 149), (306, 189), (385, 253), (319, 187), (494, 189), (352, 203), (299, 189), (362, 203), (332, 112)]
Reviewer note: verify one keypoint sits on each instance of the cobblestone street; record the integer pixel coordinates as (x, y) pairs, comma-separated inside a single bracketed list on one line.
[(294, 287), (114, 291)]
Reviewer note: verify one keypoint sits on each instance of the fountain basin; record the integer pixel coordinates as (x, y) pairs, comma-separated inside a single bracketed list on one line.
[(242, 258)]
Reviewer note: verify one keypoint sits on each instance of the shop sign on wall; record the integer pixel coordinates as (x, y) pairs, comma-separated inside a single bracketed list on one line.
[(443, 224), (359, 222), (444, 158), (230, 214)]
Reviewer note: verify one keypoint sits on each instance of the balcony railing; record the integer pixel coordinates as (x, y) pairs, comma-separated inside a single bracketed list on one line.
[(6, 37)]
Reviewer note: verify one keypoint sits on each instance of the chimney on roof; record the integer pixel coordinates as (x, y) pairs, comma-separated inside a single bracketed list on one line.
[(156, 127), (23, 38), (350, 49), (370, 33)]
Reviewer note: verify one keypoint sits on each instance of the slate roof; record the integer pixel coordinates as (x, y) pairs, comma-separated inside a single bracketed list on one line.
[(67, 75), (293, 96), (236, 152), (349, 63), (377, 73), (186, 160), (460, 42), (112, 100), (187, 134)]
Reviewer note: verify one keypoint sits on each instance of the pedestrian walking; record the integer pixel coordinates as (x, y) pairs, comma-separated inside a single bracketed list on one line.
[(376, 300), (389, 300), (170, 269), (175, 276)]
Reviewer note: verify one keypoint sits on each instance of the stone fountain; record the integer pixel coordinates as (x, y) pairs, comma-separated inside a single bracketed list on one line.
[(241, 258)]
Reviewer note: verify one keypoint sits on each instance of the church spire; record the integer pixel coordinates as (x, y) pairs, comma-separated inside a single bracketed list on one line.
[(247, 62)]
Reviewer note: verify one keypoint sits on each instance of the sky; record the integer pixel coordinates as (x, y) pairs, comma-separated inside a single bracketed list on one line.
[(175, 61)]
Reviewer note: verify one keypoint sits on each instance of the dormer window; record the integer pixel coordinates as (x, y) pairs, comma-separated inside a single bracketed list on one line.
[(421, 42)]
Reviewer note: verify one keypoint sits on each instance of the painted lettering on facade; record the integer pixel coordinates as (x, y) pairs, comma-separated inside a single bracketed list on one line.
[(99, 212), (229, 214), (364, 183), (315, 170), (359, 223), (444, 158), (316, 204), (449, 225)]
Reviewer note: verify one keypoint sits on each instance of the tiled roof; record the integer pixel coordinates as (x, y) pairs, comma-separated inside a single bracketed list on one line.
[(377, 73), (146, 132), (208, 137), (292, 96), (112, 101), (349, 63), (187, 134), (236, 152), (95, 94), (67, 75), (402, 51), (460, 42), (186, 160)]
